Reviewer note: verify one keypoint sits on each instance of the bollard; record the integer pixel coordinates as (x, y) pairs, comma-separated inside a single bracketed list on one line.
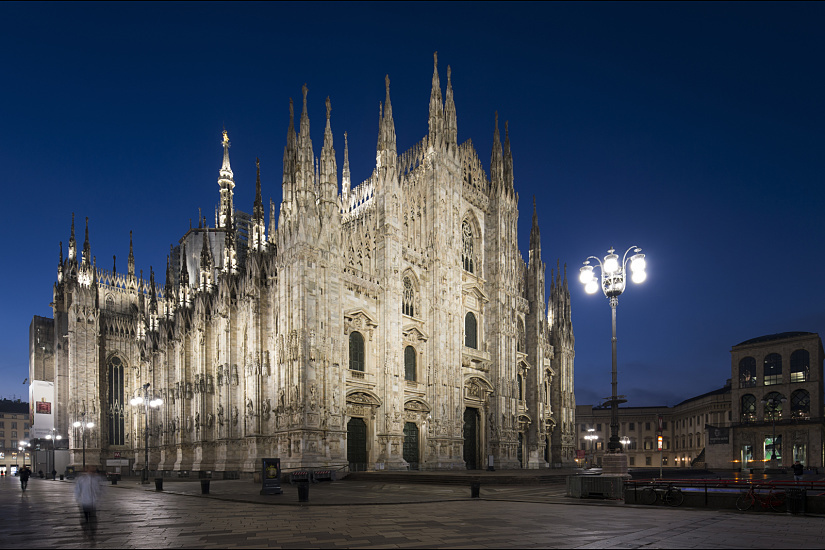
[(204, 486), (158, 484), (475, 489), (303, 491)]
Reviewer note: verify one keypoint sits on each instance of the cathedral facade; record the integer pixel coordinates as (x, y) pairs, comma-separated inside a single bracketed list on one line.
[(388, 325)]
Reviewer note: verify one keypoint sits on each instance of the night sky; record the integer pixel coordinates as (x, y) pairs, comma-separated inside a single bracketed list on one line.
[(693, 130)]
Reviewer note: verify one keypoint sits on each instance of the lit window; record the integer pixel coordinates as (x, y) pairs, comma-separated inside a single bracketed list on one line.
[(772, 371)]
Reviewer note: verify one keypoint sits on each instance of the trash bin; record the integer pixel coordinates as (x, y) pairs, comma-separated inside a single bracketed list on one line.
[(158, 484), (795, 500), (204, 486), (475, 490), (113, 479), (61, 477), (303, 491)]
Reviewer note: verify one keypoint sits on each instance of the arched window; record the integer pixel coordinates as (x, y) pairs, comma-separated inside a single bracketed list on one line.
[(409, 363), (408, 298), (520, 381), (356, 351), (773, 405), (800, 404), (772, 373), (748, 408), (467, 258), (470, 331), (115, 373), (747, 372), (800, 361)]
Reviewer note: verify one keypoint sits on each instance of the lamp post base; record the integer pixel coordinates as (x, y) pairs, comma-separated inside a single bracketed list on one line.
[(614, 464)]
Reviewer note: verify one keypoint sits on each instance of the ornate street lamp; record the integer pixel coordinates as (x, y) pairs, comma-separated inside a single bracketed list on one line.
[(613, 284), (776, 406), (146, 402), (83, 425), (54, 436)]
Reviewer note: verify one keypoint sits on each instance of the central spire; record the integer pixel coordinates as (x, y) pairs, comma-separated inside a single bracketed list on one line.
[(227, 184), (436, 122)]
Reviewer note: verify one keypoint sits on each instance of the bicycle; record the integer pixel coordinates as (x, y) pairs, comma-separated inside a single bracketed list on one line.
[(672, 496), (775, 500)]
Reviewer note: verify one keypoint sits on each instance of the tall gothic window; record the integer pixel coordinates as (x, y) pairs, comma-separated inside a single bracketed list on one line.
[(467, 249), (408, 299), (115, 372), (520, 381), (356, 351), (800, 361), (409, 363), (470, 331), (773, 369)]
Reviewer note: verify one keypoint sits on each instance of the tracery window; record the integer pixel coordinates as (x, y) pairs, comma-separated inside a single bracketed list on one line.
[(470, 331), (772, 372), (773, 405), (356, 351), (748, 408), (800, 361), (467, 249), (747, 372), (800, 404), (408, 298), (116, 428), (409, 363)]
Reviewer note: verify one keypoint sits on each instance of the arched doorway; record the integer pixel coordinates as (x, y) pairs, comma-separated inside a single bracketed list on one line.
[(471, 438), (357, 444), (411, 444)]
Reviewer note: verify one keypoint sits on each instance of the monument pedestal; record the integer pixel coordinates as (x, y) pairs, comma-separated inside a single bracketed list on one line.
[(614, 464)]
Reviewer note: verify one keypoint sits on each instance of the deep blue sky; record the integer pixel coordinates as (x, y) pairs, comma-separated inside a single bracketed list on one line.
[(694, 130)]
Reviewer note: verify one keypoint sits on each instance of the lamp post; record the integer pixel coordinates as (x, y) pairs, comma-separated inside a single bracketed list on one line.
[(53, 436), (146, 402), (774, 403), (83, 425), (613, 284)]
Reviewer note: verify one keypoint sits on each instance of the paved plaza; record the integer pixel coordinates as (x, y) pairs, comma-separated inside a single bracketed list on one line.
[(373, 514)]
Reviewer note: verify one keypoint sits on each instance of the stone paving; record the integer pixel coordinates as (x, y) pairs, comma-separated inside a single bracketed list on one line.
[(347, 514)]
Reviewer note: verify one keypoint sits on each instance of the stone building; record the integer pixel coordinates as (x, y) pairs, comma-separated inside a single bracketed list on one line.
[(768, 415), (392, 324)]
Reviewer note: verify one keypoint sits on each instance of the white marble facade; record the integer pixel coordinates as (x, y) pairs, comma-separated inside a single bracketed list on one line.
[(390, 325)]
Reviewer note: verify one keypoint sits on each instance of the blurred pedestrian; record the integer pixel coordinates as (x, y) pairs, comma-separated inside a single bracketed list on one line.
[(86, 492), (798, 471), (24, 473)]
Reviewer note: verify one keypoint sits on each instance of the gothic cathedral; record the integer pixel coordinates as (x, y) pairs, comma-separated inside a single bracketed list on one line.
[(391, 325)]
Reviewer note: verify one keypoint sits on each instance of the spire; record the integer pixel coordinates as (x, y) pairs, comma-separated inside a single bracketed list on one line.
[(169, 289), (508, 160), (60, 258), (535, 236), (450, 122), (153, 298), (226, 184), (436, 121), (386, 158), (345, 176), (184, 272), (328, 167), (87, 250), (305, 159), (258, 208), (72, 245), (114, 264), (131, 262), (496, 162)]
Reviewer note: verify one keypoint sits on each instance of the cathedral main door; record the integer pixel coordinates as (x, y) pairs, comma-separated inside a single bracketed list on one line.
[(471, 438), (411, 444), (357, 444)]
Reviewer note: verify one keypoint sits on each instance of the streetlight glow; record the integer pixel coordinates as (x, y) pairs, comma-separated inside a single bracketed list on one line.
[(613, 284)]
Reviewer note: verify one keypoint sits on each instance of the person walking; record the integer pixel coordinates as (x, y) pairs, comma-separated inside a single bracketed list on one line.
[(25, 473), (798, 471), (86, 492)]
